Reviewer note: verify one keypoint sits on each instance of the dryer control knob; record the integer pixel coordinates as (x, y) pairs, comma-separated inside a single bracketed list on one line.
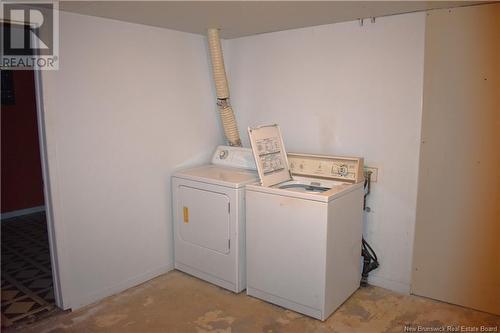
[(223, 154)]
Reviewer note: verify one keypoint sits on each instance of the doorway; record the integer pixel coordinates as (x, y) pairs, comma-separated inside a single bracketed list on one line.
[(27, 286)]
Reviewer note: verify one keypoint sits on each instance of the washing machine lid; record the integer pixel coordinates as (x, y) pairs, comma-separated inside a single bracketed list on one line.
[(219, 175), (270, 155)]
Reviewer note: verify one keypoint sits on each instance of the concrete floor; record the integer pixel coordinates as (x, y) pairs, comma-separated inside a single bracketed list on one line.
[(176, 302)]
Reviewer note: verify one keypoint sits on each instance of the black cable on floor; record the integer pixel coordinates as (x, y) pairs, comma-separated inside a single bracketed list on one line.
[(370, 260)]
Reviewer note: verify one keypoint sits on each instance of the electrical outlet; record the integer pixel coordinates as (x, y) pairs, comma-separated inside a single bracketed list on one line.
[(374, 175)]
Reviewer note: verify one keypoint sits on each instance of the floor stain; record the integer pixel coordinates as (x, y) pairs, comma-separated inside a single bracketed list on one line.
[(214, 321), (272, 328), (149, 301), (109, 320), (282, 321)]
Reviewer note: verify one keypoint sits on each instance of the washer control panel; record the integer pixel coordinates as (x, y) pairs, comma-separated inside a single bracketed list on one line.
[(235, 157), (330, 167)]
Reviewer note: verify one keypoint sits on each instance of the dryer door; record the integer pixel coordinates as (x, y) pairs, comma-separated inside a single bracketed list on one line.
[(203, 218)]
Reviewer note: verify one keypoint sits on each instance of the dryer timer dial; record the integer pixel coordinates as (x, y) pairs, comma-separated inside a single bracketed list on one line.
[(223, 154)]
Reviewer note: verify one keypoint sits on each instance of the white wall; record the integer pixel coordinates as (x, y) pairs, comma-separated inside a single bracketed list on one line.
[(129, 105), (347, 90)]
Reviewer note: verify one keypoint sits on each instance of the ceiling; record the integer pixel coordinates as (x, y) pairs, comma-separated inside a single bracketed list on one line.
[(244, 18)]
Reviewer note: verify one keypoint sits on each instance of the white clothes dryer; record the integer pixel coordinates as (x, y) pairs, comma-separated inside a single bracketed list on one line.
[(209, 218)]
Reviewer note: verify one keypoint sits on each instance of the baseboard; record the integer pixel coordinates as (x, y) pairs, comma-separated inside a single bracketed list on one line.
[(396, 286), (122, 286), (21, 212)]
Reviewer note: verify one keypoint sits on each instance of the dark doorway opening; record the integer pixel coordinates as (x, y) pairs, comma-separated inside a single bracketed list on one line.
[(26, 272)]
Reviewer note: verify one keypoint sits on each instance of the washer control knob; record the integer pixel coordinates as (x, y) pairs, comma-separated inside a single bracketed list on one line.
[(223, 154), (343, 170)]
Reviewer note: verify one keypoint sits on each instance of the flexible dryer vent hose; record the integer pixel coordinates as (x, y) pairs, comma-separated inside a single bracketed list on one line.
[(218, 68), (219, 73)]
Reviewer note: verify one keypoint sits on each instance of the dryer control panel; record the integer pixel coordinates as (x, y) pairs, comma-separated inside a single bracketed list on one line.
[(329, 167), (235, 157)]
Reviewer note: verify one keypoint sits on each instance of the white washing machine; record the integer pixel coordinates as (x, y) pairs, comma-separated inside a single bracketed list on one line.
[(304, 227), (209, 217)]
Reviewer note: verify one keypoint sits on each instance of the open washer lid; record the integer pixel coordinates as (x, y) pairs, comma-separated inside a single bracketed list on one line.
[(270, 155)]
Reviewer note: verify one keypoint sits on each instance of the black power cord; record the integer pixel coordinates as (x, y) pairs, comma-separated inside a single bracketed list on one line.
[(370, 260), (367, 187)]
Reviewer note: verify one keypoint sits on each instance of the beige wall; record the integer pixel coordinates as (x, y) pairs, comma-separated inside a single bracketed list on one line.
[(128, 106), (457, 236)]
